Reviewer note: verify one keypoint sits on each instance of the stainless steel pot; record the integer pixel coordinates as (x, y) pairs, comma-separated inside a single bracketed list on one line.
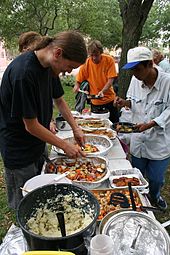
[(137, 233)]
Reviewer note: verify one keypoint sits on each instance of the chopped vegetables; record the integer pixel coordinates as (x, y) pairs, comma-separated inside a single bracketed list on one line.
[(81, 170)]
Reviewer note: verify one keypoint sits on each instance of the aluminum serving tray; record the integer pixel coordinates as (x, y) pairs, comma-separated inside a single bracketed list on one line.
[(136, 233), (103, 144), (95, 160), (92, 124), (129, 173), (110, 133), (103, 196)]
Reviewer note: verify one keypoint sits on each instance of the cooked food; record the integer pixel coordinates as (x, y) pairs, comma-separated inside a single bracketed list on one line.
[(81, 170), (44, 222), (109, 133), (123, 128), (123, 181), (104, 196), (92, 124), (90, 148)]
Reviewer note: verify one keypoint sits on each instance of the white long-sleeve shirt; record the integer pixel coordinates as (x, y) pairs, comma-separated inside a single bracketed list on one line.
[(151, 104)]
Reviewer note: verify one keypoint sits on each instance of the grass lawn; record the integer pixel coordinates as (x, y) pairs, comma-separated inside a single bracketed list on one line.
[(7, 216)]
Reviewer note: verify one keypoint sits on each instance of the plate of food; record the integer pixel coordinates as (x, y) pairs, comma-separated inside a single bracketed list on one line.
[(95, 145), (104, 197), (125, 127), (89, 171), (110, 133), (91, 124)]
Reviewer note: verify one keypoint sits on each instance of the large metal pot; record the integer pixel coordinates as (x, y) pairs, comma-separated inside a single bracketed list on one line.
[(135, 232), (38, 198)]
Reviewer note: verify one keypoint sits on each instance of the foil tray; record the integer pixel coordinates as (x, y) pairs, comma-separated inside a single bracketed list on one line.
[(103, 196), (103, 144), (137, 233), (129, 172), (93, 124), (110, 133), (95, 160)]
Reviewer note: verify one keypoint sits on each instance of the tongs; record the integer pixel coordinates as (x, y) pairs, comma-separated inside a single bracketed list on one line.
[(118, 198), (88, 95), (142, 208), (94, 96), (50, 162), (83, 91)]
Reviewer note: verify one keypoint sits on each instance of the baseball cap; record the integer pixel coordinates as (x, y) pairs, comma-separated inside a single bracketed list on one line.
[(137, 55)]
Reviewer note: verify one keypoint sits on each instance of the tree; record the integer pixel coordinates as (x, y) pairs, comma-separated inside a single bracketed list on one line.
[(95, 19), (157, 28), (134, 14)]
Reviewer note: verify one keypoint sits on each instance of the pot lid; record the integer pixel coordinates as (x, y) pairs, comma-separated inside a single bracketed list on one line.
[(137, 233)]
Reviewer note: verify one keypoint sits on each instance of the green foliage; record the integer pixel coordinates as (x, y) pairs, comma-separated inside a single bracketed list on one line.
[(6, 215), (96, 19), (157, 25), (93, 18), (67, 80)]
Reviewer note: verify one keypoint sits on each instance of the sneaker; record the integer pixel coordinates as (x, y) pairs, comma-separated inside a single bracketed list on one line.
[(161, 203)]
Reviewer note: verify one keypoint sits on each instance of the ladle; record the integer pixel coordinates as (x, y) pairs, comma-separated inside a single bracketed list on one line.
[(61, 221)]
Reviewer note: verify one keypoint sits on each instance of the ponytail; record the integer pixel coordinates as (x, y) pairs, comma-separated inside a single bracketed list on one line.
[(45, 41)]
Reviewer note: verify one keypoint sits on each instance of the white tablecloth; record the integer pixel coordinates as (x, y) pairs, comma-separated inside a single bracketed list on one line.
[(116, 159)]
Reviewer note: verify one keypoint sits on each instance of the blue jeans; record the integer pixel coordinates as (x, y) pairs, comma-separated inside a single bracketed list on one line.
[(154, 171)]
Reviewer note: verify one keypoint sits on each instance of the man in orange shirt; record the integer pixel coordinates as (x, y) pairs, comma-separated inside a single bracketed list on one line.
[(100, 72)]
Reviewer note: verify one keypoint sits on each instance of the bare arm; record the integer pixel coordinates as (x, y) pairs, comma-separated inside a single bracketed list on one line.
[(120, 102), (36, 129), (67, 115), (106, 87), (144, 126), (76, 87)]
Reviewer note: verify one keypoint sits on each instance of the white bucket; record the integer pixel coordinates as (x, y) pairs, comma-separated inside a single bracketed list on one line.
[(105, 115)]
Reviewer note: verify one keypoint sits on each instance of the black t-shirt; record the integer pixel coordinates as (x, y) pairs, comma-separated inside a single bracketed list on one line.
[(26, 91)]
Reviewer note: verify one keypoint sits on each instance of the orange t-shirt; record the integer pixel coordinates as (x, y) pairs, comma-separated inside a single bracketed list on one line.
[(97, 75)]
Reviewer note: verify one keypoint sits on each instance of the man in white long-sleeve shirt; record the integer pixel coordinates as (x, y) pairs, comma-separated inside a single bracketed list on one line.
[(149, 97)]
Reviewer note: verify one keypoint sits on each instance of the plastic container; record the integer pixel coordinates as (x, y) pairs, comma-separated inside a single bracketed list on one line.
[(101, 115), (101, 244)]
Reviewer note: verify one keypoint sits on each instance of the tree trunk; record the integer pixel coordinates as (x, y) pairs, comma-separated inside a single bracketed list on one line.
[(134, 14)]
